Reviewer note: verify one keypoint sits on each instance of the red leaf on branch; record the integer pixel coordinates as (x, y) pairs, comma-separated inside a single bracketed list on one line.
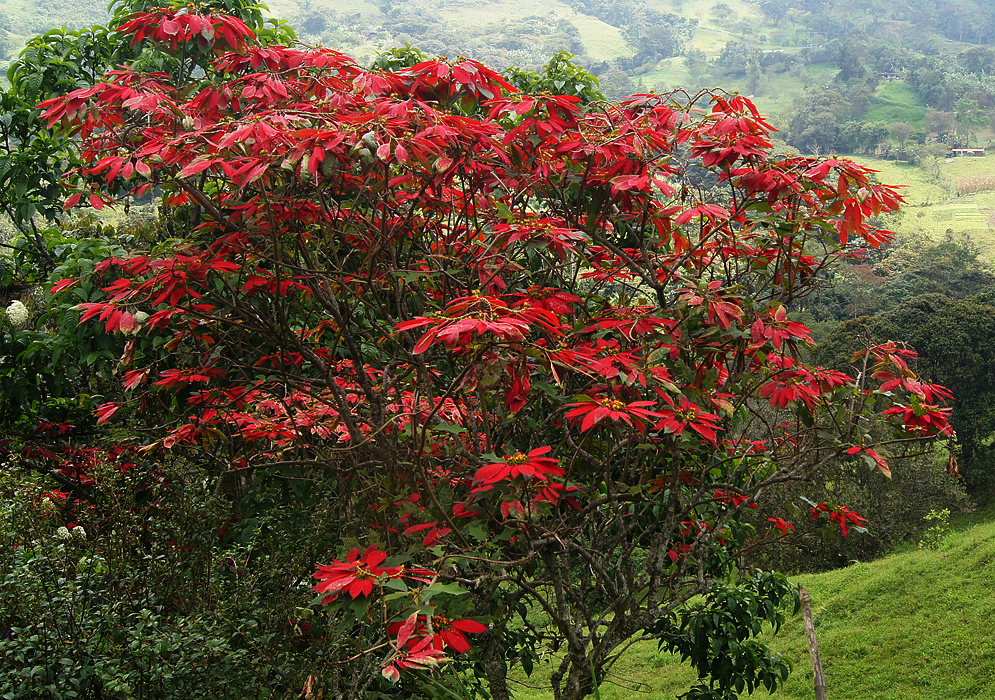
[(106, 411), (356, 575)]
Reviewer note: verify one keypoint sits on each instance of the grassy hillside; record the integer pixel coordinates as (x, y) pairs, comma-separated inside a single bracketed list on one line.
[(896, 102), (912, 626), (932, 203)]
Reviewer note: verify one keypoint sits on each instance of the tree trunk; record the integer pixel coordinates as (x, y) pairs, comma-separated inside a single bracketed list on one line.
[(494, 665)]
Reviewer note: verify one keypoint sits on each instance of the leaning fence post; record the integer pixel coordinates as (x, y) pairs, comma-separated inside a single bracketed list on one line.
[(813, 644)]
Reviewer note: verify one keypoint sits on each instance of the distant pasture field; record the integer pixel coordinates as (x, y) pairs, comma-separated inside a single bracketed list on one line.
[(894, 102), (932, 203)]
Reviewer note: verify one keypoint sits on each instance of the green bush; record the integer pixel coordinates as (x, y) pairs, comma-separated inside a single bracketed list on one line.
[(939, 526), (157, 591)]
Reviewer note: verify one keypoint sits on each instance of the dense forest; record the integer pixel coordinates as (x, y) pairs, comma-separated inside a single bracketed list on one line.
[(505, 344)]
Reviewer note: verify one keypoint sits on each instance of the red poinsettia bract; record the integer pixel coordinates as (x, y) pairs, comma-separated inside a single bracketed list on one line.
[(688, 415), (356, 575), (841, 515), (418, 657), (441, 631), (532, 465), (595, 410), (923, 419)]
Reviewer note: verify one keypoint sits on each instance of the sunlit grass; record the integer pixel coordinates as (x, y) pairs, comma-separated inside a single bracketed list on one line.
[(911, 626), (602, 42), (931, 202), (896, 102)]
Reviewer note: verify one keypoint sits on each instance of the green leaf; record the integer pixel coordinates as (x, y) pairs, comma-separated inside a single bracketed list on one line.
[(443, 588), (396, 584)]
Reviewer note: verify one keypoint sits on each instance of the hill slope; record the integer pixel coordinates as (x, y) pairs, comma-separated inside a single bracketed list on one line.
[(912, 626)]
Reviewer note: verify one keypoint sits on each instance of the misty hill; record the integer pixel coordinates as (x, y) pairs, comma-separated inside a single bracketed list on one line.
[(834, 76)]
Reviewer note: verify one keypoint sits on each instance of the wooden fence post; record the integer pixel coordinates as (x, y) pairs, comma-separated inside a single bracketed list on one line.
[(813, 644)]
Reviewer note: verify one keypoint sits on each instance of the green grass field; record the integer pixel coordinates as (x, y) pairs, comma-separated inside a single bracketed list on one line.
[(894, 102), (911, 626), (932, 204)]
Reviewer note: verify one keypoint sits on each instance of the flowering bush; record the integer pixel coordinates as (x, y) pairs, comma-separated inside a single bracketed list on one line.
[(539, 354)]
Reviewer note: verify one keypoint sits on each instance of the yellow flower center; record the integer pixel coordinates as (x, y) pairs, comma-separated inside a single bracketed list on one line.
[(686, 415)]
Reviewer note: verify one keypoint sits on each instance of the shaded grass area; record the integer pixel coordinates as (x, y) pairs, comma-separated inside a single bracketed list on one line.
[(911, 626)]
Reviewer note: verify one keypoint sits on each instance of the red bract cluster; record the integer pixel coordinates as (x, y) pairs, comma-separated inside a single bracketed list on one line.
[(595, 410), (687, 415), (531, 465), (173, 27), (392, 278), (841, 515), (441, 632), (356, 575)]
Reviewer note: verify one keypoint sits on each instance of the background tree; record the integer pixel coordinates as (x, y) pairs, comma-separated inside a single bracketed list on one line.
[(734, 58), (923, 291), (816, 125), (901, 131), (969, 116), (953, 337)]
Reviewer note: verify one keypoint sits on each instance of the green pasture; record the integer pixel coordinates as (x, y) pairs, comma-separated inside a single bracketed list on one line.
[(894, 102), (911, 626), (932, 204)]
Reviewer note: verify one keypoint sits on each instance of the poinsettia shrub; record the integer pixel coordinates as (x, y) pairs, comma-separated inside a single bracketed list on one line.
[(533, 366)]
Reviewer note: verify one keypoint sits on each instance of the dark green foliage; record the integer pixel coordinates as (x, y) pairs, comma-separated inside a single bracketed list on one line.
[(955, 348), (915, 266), (850, 337), (980, 60), (831, 121), (616, 85), (718, 637), (561, 76), (734, 58), (52, 370), (850, 57), (163, 591), (817, 122), (894, 508), (950, 268), (662, 36)]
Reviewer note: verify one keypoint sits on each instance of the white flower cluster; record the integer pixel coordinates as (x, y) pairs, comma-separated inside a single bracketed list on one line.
[(18, 314), (64, 533)]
